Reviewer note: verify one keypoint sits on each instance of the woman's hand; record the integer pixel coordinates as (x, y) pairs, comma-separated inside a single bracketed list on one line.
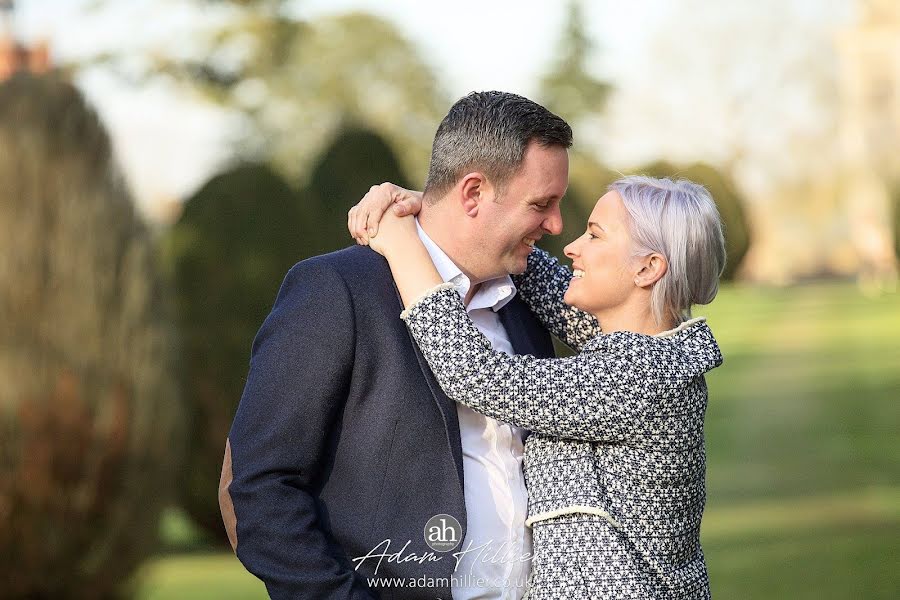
[(363, 219), (396, 236)]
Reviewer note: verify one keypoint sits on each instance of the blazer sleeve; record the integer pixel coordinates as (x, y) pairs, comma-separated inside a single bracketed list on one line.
[(543, 286), (595, 396), (300, 368)]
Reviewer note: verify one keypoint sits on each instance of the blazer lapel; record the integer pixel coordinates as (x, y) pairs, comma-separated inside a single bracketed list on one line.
[(446, 406), (525, 336)]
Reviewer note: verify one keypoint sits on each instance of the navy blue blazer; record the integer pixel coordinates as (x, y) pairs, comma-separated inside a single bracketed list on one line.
[(344, 444)]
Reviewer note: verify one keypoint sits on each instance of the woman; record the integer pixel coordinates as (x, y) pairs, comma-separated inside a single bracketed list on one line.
[(615, 464)]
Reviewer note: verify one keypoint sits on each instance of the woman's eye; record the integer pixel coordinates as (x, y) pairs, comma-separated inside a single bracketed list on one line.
[(591, 236)]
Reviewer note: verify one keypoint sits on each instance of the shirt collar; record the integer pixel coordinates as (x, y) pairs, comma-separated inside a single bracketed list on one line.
[(493, 293)]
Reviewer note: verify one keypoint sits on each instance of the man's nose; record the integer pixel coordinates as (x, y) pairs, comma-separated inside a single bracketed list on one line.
[(553, 223)]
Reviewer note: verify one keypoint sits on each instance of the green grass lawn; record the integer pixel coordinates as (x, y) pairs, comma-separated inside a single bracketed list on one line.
[(803, 462), (807, 401)]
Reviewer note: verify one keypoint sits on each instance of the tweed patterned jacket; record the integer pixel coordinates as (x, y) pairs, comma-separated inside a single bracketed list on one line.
[(617, 430)]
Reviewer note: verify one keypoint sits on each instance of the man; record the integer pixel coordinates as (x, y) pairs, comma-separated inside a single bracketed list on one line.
[(347, 468)]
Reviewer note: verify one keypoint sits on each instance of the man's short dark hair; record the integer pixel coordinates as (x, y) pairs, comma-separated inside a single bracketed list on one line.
[(489, 132)]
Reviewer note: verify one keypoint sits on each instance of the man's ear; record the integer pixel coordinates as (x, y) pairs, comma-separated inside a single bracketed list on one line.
[(475, 189), (652, 268)]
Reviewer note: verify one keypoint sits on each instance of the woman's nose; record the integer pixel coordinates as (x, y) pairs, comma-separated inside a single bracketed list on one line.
[(571, 249)]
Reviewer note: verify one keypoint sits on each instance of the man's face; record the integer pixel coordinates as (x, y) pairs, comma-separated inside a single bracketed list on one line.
[(526, 209)]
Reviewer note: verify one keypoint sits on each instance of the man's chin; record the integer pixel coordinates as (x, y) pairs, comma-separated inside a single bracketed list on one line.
[(517, 266)]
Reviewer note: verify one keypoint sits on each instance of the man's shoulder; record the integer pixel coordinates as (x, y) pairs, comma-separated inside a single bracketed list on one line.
[(351, 265)]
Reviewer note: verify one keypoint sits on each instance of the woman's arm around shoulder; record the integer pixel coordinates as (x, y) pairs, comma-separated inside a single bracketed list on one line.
[(595, 396), (543, 287)]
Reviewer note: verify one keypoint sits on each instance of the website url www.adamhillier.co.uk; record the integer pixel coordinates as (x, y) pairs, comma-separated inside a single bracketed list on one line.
[(462, 581)]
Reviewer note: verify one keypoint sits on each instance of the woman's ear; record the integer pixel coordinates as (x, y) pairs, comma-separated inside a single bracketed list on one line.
[(474, 190), (652, 268)]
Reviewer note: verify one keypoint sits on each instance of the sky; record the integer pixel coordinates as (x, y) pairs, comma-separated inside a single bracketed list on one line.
[(169, 144)]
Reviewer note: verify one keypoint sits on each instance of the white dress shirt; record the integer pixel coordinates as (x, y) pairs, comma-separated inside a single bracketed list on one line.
[(494, 560)]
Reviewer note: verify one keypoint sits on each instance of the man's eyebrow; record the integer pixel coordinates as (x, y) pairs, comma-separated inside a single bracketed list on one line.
[(543, 199)]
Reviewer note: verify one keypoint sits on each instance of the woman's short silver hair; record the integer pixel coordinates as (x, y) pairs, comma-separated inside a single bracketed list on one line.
[(679, 220)]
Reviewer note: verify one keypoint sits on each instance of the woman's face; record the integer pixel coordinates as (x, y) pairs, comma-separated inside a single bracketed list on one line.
[(602, 259)]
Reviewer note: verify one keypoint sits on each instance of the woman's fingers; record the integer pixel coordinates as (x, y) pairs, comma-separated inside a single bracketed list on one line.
[(356, 225), (409, 202), (363, 219), (355, 230), (406, 206), (350, 227), (372, 224), (359, 224), (362, 226), (373, 205)]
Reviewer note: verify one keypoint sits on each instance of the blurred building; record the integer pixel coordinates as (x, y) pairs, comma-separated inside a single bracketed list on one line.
[(870, 135), (836, 216), (14, 55)]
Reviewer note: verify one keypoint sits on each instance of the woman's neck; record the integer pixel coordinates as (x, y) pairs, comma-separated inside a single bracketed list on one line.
[(636, 319)]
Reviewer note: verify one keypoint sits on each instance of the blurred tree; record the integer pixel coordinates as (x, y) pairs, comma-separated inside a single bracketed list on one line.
[(749, 84), (569, 89), (90, 421), (354, 68), (895, 205), (792, 99), (354, 161), (227, 255), (294, 82), (232, 41), (728, 201)]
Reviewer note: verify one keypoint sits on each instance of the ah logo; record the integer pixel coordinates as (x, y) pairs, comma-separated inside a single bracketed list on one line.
[(443, 533)]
